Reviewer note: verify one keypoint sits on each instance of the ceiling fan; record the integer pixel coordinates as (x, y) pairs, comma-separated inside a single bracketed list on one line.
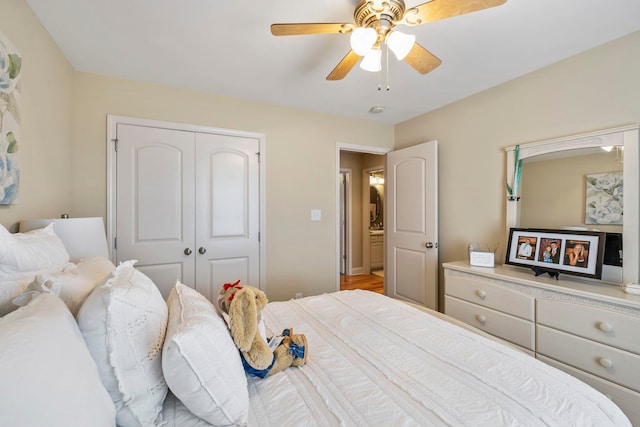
[(375, 23)]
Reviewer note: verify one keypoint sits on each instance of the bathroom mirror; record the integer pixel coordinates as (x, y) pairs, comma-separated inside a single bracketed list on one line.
[(568, 147), (375, 206)]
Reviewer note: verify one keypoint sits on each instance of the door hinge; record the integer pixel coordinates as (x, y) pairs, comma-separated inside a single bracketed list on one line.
[(115, 243), (115, 142), (258, 154), (258, 236)]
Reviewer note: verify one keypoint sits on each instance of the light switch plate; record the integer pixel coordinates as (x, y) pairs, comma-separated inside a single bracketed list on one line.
[(316, 215)]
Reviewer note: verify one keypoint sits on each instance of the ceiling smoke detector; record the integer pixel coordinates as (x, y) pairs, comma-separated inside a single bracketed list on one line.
[(376, 109)]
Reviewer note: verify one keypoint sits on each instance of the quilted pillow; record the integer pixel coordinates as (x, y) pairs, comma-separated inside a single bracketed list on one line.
[(201, 363), (75, 282), (48, 377), (31, 252), (124, 323), (10, 288)]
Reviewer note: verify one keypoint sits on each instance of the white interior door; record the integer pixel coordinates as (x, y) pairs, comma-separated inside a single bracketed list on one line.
[(155, 203), (227, 212), (411, 230)]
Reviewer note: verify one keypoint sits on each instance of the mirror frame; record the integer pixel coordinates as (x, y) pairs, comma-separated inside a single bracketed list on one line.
[(626, 136)]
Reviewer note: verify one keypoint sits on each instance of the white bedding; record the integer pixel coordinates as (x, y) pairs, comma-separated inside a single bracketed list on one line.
[(375, 361)]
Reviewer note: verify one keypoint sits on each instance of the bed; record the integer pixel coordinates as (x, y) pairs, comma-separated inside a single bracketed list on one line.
[(377, 361), (95, 344)]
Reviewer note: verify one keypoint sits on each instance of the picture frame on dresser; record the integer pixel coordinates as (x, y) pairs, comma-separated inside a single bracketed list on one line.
[(576, 252)]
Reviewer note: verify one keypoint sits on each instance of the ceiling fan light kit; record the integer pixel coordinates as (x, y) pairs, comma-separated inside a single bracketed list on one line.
[(400, 44), (374, 25), (362, 40), (372, 61)]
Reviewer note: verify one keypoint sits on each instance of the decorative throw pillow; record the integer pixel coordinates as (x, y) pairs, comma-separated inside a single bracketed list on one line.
[(48, 377), (201, 363), (10, 288), (124, 323), (75, 282), (31, 252)]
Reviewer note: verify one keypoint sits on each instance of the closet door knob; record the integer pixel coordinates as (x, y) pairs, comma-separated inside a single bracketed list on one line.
[(202, 250), (187, 251)]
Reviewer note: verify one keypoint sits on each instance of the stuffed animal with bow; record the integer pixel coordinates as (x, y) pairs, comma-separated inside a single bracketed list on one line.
[(242, 309)]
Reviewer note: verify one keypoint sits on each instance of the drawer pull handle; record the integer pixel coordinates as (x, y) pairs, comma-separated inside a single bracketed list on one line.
[(605, 327), (482, 294), (481, 319), (605, 363)]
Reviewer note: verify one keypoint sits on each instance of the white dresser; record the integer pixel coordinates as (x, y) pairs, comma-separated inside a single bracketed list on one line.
[(589, 330)]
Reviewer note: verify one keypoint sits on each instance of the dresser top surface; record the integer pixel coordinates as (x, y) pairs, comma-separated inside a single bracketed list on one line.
[(565, 283)]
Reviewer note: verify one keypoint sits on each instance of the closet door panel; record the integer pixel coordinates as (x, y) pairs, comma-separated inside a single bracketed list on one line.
[(155, 203), (227, 211)]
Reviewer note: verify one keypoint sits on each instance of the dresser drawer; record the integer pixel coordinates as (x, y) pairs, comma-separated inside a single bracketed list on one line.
[(618, 366), (628, 400), (605, 326), (513, 329), (491, 296)]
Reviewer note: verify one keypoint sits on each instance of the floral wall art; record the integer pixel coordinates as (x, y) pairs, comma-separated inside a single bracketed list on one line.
[(10, 67), (604, 198)]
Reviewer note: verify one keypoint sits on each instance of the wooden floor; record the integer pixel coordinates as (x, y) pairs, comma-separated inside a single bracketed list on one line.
[(369, 282)]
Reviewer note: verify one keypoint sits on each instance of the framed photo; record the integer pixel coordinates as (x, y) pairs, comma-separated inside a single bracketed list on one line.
[(570, 251)]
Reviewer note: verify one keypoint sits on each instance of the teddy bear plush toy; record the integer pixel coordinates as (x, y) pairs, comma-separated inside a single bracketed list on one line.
[(241, 307)]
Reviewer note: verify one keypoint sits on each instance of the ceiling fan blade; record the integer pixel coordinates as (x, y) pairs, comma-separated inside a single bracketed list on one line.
[(343, 68), (302, 29), (436, 10), (421, 59)]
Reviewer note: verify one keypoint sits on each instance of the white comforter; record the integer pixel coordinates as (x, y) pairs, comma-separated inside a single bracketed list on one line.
[(374, 361)]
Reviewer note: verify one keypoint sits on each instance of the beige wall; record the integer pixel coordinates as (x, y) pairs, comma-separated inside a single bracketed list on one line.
[(300, 164), (594, 90), (46, 114)]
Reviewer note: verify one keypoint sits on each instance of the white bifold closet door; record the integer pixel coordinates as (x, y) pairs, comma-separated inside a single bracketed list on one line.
[(188, 207)]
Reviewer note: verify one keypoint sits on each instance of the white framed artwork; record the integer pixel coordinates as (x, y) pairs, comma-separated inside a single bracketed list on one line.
[(604, 198)]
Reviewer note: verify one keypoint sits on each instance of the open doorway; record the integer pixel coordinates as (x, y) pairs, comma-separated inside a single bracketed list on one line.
[(361, 218)]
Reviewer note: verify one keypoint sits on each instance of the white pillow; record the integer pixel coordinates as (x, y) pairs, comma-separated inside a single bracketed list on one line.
[(123, 323), (48, 377), (201, 363), (75, 282), (34, 251), (10, 288)]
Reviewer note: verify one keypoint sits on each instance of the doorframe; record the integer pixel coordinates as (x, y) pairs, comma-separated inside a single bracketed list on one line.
[(348, 267), (112, 124), (340, 146)]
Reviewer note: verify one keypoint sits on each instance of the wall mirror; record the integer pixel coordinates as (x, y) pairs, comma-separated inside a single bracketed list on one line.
[(375, 205), (546, 197), (376, 194)]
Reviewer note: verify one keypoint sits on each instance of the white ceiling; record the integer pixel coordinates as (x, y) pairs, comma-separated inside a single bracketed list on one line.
[(226, 48)]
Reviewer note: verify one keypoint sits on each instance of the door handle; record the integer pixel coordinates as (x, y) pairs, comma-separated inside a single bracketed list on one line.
[(202, 250), (187, 251), (429, 245)]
